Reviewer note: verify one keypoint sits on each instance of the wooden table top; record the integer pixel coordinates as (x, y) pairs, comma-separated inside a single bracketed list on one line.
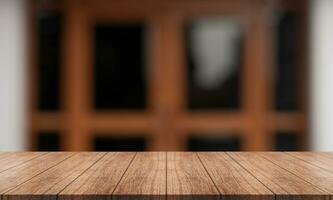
[(166, 175)]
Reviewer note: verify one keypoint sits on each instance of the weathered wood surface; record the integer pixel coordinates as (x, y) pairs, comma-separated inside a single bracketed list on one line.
[(166, 175)]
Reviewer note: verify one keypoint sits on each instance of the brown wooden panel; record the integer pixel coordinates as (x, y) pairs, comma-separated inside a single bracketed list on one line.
[(314, 175), (187, 178), (99, 181), (145, 178), (284, 184), (51, 182), (232, 180), (17, 175)]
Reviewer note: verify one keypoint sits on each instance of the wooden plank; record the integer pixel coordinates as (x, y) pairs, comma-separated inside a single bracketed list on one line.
[(321, 159), (99, 181), (24, 172), (172, 175), (308, 172), (187, 178), (281, 182), (14, 159), (232, 180), (145, 178), (51, 182)]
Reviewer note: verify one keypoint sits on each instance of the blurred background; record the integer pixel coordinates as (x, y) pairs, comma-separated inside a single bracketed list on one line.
[(151, 75)]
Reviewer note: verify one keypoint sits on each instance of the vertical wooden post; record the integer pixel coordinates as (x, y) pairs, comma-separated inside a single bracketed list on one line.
[(175, 75), (75, 68), (167, 82), (155, 83), (257, 78)]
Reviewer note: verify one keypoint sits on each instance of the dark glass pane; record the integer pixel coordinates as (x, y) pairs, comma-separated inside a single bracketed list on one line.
[(49, 44), (214, 50), (119, 67), (286, 62), (48, 141), (285, 141), (214, 143), (120, 144)]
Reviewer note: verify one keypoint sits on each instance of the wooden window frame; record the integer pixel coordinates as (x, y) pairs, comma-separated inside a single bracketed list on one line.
[(166, 122)]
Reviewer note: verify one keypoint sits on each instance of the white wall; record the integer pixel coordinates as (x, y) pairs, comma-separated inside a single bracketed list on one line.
[(322, 74), (12, 78)]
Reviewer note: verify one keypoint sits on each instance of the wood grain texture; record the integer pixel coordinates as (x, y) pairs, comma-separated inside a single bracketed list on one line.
[(13, 159), (12, 178), (145, 178), (166, 175), (100, 180), (284, 184), (232, 180), (187, 178), (312, 174), (51, 182), (321, 159)]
